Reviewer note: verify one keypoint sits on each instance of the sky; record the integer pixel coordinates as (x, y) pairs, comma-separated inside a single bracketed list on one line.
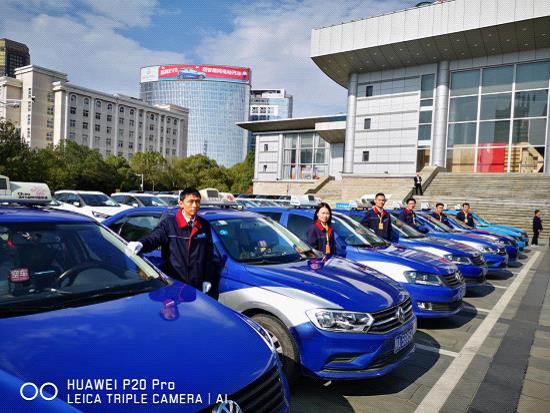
[(101, 44)]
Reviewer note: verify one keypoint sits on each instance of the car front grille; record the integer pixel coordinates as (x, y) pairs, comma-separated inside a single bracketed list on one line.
[(502, 251), (264, 395), (452, 280), (386, 320), (478, 260), (446, 307)]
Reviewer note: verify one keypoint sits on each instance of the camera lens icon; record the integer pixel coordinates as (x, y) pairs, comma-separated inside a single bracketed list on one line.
[(30, 391)]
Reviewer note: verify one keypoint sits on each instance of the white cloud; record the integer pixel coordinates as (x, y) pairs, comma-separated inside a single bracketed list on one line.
[(273, 38), (86, 46)]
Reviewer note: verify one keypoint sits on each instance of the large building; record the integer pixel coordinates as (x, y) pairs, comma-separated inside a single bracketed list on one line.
[(268, 104), (12, 55), (459, 84), (49, 110), (217, 98)]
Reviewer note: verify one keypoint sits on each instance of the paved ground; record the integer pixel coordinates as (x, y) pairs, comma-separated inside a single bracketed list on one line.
[(494, 356)]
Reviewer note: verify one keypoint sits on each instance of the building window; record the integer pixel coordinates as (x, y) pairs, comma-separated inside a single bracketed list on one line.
[(108, 152), (132, 112), (265, 168), (175, 121), (120, 132), (109, 129), (85, 113), (369, 91), (266, 147), (72, 123), (50, 97), (132, 122), (98, 103), (97, 128), (151, 127), (109, 107), (121, 109), (121, 144), (152, 116), (173, 152), (84, 125), (121, 121), (108, 141), (49, 123), (131, 133), (72, 135), (304, 156), (174, 142), (366, 156), (109, 118), (98, 116), (73, 98), (50, 110), (174, 132), (49, 136), (86, 101), (140, 124), (73, 110), (367, 123), (130, 145)]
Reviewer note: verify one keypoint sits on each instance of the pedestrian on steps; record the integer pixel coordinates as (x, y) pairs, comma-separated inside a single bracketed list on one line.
[(417, 184), (537, 227)]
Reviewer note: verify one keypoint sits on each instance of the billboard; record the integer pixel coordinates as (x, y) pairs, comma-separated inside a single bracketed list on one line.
[(196, 72)]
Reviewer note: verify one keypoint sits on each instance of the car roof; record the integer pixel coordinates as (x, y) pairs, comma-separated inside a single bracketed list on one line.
[(76, 191), (34, 214), (134, 194)]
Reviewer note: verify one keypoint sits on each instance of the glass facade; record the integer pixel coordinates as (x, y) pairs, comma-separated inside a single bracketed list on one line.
[(268, 106), (214, 109), (305, 156), (498, 119)]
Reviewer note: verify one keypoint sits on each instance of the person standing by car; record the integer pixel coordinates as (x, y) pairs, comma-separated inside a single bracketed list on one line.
[(465, 216), (407, 215), (378, 219), (417, 184), (320, 234), (439, 215), (186, 244), (537, 227)]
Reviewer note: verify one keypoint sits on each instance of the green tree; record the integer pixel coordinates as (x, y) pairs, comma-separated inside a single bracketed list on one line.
[(152, 165), (125, 178), (14, 152), (242, 174)]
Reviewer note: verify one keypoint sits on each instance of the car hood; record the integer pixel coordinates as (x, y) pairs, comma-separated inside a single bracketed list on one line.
[(456, 236), (444, 244), (201, 350), (417, 260), (347, 285)]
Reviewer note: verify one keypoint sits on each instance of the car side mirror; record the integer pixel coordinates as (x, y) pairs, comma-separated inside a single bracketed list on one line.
[(76, 204), (135, 204)]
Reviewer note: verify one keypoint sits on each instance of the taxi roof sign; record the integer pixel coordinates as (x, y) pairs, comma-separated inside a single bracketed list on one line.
[(28, 193)]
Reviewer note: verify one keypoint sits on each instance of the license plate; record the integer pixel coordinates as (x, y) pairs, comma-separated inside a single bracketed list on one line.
[(403, 340)]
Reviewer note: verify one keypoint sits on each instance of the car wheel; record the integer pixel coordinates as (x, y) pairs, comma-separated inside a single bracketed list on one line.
[(284, 344)]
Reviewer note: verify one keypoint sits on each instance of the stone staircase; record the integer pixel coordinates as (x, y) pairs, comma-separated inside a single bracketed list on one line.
[(508, 199)]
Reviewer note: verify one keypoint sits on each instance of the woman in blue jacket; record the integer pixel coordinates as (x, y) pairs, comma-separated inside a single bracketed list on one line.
[(320, 234)]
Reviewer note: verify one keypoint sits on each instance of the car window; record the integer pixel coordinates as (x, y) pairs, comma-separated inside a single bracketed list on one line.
[(298, 224), (137, 227), (151, 201), (260, 241), (61, 197), (98, 200), (43, 265), (276, 216), (405, 230)]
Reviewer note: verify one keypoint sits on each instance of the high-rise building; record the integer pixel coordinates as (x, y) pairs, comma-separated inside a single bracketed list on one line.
[(268, 104), (49, 110), (217, 98), (12, 55)]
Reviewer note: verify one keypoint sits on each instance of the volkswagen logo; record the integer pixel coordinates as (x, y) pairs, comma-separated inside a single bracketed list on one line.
[(400, 315), (228, 406)]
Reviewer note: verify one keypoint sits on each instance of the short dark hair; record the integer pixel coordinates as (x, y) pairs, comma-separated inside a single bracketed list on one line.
[(537, 211), (411, 199), (439, 203), (318, 208), (189, 191), (379, 194), (465, 203)]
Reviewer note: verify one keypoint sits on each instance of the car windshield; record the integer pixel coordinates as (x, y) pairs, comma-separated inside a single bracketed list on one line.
[(458, 223), (169, 200), (440, 226), (405, 230), (98, 200), (46, 265), (480, 221), (355, 234), (151, 201), (260, 240)]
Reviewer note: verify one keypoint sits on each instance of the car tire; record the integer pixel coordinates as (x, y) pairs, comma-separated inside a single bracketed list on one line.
[(284, 343)]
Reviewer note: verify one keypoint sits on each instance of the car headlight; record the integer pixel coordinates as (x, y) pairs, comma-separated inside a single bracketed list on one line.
[(100, 215), (422, 278), (457, 259), (490, 250), (340, 320)]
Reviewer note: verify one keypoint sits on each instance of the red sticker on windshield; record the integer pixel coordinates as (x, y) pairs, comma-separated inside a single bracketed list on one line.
[(19, 275)]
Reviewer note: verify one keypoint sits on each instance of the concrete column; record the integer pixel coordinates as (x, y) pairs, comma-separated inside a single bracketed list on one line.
[(349, 144), (441, 106)]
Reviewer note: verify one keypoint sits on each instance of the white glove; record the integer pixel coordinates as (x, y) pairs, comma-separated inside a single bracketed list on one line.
[(134, 247), (206, 286)]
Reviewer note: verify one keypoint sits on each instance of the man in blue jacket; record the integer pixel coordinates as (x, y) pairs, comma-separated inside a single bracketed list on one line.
[(465, 215), (407, 215), (378, 219), (439, 215), (186, 244)]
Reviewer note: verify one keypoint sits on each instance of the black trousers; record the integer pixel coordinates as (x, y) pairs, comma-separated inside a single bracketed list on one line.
[(535, 240), (418, 189)]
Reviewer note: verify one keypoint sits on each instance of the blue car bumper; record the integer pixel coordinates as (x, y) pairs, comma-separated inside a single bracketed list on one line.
[(430, 302), (495, 261), (473, 274), (512, 253), (333, 355)]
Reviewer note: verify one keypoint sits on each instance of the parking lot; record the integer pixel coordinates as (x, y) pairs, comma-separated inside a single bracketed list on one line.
[(493, 356)]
